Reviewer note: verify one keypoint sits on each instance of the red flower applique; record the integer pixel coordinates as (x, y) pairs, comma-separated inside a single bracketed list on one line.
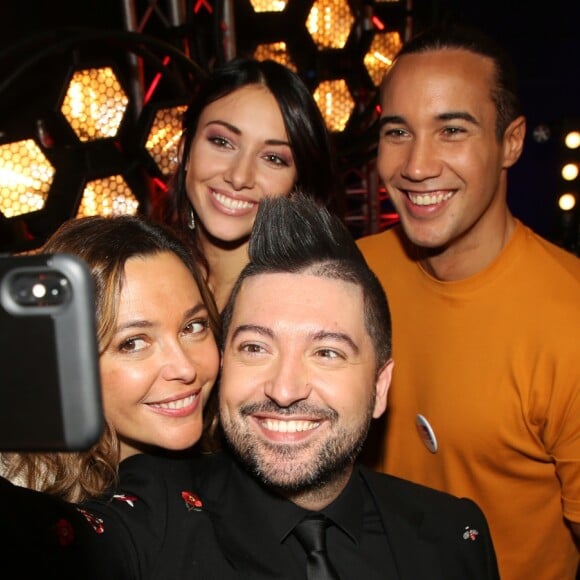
[(64, 532), (192, 501), (128, 499)]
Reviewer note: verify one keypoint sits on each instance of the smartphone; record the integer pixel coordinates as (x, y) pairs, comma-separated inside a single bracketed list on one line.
[(49, 365)]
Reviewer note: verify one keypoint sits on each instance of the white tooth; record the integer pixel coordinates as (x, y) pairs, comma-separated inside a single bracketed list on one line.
[(289, 426)]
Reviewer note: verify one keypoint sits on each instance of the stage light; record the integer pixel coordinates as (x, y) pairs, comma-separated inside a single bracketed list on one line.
[(328, 41), (329, 23), (164, 136), (567, 201), (335, 102), (572, 139), (275, 51), (569, 151), (26, 176), (84, 151), (567, 229), (381, 53), (94, 104), (268, 5), (109, 196), (569, 171)]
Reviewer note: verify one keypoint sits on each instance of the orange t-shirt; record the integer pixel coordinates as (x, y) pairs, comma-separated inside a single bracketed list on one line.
[(485, 399)]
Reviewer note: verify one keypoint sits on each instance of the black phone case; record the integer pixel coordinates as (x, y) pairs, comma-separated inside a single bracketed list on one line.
[(49, 373)]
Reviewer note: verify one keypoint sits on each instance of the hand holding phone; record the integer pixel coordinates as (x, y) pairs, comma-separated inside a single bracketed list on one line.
[(49, 364)]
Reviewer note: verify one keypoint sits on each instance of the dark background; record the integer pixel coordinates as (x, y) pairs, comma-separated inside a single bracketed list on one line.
[(544, 40)]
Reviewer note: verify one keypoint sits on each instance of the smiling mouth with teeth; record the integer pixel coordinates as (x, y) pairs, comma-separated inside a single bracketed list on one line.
[(179, 404), (289, 426), (232, 203), (429, 198)]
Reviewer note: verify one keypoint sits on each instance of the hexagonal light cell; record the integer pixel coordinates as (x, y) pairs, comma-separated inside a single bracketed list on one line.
[(94, 104), (275, 51), (335, 103), (108, 197), (381, 53), (25, 178), (329, 23), (163, 139), (268, 5)]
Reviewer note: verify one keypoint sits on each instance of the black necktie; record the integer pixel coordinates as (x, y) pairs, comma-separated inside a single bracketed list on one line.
[(311, 533)]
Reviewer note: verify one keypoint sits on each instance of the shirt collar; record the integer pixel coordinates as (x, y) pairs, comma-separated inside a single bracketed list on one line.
[(258, 515), (346, 511)]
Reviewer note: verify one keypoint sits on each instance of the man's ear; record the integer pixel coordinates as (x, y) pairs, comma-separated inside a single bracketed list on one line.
[(382, 385), (513, 141)]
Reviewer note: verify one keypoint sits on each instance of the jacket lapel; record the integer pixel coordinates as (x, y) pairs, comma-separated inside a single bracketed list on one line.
[(411, 536)]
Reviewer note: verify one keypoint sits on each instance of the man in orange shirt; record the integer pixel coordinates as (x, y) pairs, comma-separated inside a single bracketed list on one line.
[(485, 400)]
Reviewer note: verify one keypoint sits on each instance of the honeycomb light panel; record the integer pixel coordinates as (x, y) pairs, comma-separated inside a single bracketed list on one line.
[(268, 5), (381, 53), (94, 104), (329, 23), (275, 51), (109, 196), (26, 176), (164, 136), (335, 103)]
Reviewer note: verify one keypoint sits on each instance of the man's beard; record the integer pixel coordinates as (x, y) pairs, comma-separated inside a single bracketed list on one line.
[(283, 467)]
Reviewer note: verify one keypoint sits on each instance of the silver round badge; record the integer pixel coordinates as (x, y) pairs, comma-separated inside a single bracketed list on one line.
[(426, 433)]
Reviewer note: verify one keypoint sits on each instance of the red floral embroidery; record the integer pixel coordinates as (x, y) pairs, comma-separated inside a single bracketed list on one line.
[(95, 522), (64, 532), (192, 501), (128, 499)]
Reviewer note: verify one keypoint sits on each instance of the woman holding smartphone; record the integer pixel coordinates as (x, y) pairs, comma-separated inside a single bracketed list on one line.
[(157, 325)]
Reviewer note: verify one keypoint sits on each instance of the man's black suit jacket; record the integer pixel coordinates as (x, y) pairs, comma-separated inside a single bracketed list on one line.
[(175, 518)]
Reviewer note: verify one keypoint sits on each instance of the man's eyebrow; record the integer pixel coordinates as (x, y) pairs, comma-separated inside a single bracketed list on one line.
[(391, 119), (252, 328), (448, 116), (462, 115), (319, 336), (338, 336)]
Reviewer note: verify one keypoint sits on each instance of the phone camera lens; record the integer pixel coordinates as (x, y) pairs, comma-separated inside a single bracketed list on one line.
[(44, 288), (39, 290)]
